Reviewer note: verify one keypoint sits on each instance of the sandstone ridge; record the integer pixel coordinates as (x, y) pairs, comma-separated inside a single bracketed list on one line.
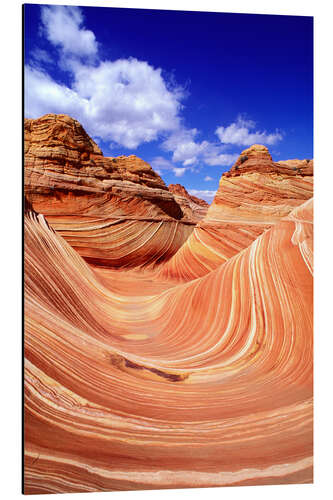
[(192, 207), (195, 371), (252, 196), (101, 205), (59, 144), (61, 159), (179, 190), (257, 158)]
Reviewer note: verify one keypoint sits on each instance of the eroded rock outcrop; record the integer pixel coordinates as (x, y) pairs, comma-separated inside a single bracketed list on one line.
[(179, 190), (254, 195), (113, 211), (193, 207), (134, 380), (208, 382)]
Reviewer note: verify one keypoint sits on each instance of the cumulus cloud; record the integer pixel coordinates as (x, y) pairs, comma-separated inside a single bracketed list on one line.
[(222, 160), (44, 95), (189, 161), (206, 194), (208, 178), (126, 101), (159, 164), (179, 172), (40, 55), (63, 28), (241, 133), (186, 149)]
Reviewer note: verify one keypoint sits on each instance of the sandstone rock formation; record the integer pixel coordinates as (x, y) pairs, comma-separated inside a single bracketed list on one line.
[(179, 190), (193, 207), (254, 195), (113, 211), (207, 383), (197, 369)]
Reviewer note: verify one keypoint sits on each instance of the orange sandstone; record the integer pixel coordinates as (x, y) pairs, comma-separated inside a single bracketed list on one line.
[(253, 196), (137, 380), (207, 383), (114, 211)]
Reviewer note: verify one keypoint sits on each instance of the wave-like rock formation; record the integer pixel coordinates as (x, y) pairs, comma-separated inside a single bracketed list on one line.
[(192, 206), (114, 211), (205, 383), (194, 371), (253, 196)]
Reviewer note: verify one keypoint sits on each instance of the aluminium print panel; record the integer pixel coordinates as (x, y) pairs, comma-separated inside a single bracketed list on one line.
[(168, 183)]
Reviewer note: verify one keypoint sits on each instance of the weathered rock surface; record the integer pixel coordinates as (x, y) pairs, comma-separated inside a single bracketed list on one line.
[(135, 379), (58, 146), (193, 207), (254, 195), (258, 159), (207, 383), (179, 190), (113, 211)]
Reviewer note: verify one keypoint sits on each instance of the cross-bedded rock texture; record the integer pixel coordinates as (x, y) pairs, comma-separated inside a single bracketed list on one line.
[(113, 211), (192, 367), (253, 196)]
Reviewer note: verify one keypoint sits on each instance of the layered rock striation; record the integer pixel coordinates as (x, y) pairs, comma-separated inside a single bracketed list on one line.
[(197, 370), (195, 208), (253, 196), (113, 211), (207, 383)]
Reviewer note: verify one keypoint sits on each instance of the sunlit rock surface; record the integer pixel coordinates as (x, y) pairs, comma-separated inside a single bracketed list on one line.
[(195, 208), (206, 383), (148, 378), (114, 211), (253, 196)]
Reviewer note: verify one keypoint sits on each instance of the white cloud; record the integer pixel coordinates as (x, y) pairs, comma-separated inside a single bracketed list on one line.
[(222, 160), (183, 146), (159, 163), (43, 95), (239, 133), (128, 101), (190, 161), (41, 55), (125, 101), (188, 151), (63, 28), (179, 172), (206, 194), (208, 178)]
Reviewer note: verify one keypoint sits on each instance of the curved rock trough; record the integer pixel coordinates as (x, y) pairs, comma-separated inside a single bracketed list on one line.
[(166, 346)]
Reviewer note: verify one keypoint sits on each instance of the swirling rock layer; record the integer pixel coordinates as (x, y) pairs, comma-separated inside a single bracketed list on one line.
[(195, 208), (194, 371), (253, 196), (113, 211), (207, 383)]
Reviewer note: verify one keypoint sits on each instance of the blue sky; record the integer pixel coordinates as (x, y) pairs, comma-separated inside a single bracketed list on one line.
[(185, 91)]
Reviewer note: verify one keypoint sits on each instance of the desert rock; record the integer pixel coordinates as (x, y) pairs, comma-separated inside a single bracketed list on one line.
[(113, 211), (253, 196), (193, 207)]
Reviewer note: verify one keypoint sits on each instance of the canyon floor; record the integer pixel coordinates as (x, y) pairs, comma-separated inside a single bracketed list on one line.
[(168, 343)]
